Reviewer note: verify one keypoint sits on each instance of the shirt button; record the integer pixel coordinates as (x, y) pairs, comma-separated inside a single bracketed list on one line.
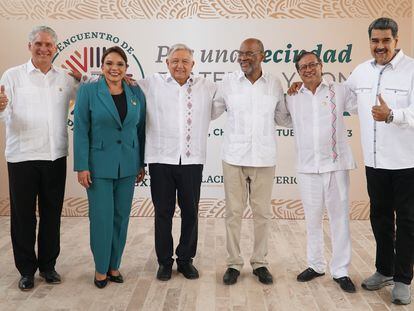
[(119, 141)]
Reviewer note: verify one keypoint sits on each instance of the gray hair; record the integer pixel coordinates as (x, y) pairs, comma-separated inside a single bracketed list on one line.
[(38, 29), (178, 47)]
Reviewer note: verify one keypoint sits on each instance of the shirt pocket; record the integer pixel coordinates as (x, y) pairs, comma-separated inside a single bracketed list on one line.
[(239, 144), (364, 98), (267, 114), (33, 140), (62, 94), (27, 108), (396, 97), (240, 113), (363, 91)]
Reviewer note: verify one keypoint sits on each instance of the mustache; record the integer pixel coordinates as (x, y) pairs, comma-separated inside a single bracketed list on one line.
[(380, 50)]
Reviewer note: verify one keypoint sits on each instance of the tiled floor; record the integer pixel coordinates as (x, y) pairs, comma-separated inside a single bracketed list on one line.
[(141, 291)]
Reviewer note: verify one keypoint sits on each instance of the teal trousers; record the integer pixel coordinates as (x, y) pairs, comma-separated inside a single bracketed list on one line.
[(109, 208)]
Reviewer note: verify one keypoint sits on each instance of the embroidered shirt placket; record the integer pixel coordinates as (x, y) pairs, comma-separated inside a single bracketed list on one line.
[(188, 117), (334, 117)]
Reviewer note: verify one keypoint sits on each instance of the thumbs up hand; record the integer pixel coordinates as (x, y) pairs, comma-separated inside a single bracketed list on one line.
[(3, 98), (380, 112)]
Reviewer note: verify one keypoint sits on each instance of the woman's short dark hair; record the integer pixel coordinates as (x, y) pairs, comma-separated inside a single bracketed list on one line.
[(114, 49), (302, 54), (384, 23)]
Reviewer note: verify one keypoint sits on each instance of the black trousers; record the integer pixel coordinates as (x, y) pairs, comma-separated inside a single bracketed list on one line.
[(28, 181), (392, 219), (167, 183)]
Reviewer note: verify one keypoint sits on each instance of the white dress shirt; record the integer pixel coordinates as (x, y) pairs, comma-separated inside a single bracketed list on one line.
[(386, 146), (250, 133), (37, 113), (320, 131), (177, 119)]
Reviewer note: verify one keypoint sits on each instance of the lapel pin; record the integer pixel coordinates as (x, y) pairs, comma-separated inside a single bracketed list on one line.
[(60, 89)]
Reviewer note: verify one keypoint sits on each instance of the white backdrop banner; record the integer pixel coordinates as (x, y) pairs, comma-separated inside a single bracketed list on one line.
[(338, 33)]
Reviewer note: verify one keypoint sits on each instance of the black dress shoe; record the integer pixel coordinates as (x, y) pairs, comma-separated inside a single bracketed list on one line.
[(51, 277), (264, 275), (26, 282), (164, 273), (100, 283), (346, 284), (230, 276), (188, 270), (307, 275), (115, 278)]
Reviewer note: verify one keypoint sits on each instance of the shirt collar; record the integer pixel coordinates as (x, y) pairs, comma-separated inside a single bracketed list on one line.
[(30, 67), (324, 83), (264, 76), (394, 62), (170, 78)]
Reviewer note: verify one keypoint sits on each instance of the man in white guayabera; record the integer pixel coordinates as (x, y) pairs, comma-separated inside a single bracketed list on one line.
[(324, 160), (34, 103), (251, 98), (179, 110)]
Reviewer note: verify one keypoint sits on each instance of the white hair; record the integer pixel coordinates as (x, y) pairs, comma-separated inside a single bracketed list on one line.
[(178, 47), (38, 29)]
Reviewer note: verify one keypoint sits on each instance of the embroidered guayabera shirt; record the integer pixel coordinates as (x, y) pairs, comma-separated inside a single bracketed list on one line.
[(386, 146), (250, 134), (178, 119), (37, 113), (320, 130)]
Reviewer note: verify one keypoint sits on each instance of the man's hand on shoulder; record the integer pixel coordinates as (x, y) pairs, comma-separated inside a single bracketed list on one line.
[(294, 88), (130, 80), (3, 98), (75, 74)]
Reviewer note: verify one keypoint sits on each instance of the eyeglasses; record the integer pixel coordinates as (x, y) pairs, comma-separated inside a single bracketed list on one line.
[(248, 54), (175, 62), (309, 66)]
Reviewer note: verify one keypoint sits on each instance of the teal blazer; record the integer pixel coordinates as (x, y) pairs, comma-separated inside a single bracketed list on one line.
[(102, 144)]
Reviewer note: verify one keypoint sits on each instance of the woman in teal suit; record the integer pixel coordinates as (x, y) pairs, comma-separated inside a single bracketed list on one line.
[(109, 137)]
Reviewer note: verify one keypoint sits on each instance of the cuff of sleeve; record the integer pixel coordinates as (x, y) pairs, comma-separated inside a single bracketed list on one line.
[(79, 168), (398, 116)]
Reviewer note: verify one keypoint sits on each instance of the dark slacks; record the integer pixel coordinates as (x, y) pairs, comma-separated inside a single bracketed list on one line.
[(29, 181), (167, 183), (392, 219)]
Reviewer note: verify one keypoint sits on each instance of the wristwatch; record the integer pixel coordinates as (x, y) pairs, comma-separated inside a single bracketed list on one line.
[(390, 117)]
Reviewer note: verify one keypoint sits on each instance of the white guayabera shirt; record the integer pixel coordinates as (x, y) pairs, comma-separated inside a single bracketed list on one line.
[(37, 113), (320, 130), (386, 146), (178, 119), (250, 134)]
